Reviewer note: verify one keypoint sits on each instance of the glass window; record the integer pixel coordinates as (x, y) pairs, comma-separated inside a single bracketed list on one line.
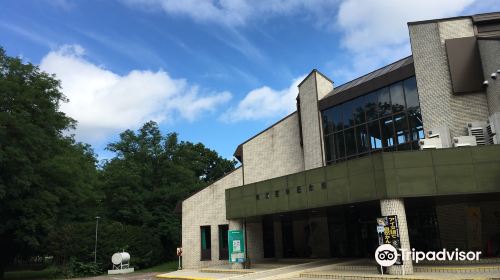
[(384, 102), (374, 132), (329, 148), (371, 101), (362, 139), (397, 97), (339, 145), (417, 129), (329, 120), (359, 110), (387, 119), (223, 242), (206, 243), (411, 94), (348, 114), (387, 126), (401, 127), (350, 142), (337, 117)]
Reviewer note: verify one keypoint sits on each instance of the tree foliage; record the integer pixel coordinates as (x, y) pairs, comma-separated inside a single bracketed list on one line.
[(46, 178), (150, 174), (51, 189)]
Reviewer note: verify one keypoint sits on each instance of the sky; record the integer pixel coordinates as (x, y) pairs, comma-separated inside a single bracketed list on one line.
[(214, 71)]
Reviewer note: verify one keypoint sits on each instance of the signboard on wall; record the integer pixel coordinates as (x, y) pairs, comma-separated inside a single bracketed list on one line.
[(388, 233), (236, 246)]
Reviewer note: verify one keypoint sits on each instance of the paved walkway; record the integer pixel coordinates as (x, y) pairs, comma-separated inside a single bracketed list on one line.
[(336, 269)]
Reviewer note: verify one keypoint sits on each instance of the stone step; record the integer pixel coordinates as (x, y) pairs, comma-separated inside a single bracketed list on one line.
[(459, 269), (375, 276)]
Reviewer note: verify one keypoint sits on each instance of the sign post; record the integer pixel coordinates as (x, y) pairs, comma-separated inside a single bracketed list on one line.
[(388, 233), (179, 254), (236, 246)]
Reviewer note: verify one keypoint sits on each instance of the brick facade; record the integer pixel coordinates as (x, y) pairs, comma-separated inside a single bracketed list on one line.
[(278, 147), (207, 208), (438, 104)]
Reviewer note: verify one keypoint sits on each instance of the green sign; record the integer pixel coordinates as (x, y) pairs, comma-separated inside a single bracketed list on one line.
[(236, 246)]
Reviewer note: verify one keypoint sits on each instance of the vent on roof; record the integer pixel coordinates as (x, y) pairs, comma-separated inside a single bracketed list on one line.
[(478, 130), (492, 128)]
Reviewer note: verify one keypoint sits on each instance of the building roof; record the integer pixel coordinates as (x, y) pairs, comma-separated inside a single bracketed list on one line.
[(372, 75), (495, 16), (381, 77)]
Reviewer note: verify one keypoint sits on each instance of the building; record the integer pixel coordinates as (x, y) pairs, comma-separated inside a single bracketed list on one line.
[(415, 139)]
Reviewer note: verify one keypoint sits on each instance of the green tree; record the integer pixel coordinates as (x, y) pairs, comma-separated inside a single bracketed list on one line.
[(150, 174), (45, 177)]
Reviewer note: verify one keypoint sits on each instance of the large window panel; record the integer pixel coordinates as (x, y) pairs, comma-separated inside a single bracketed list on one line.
[(348, 113), (397, 97), (339, 145), (375, 137), (417, 129), (359, 110), (350, 142), (327, 119), (411, 94), (384, 102), (371, 106), (401, 128), (362, 139), (332, 119), (337, 117), (329, 147), (387, 127), (387, 119)]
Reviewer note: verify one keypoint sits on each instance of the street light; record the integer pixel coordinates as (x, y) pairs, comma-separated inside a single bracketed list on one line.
[(95, 247)]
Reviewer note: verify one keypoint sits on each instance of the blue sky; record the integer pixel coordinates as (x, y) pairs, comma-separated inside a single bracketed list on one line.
[(215, 71)]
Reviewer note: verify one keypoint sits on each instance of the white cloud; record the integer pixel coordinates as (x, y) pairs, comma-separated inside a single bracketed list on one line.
[(264, 103), (105, 103), (236, 12), (375, 33)]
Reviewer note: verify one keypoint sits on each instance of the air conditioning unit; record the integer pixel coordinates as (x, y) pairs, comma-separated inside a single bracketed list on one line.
[(478, 130), (431, 143), (492, 128), (442, 133), (464, 141)]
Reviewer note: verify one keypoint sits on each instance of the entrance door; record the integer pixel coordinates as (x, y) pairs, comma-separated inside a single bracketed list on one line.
[(352, 230), (287, 231), (268, 236)]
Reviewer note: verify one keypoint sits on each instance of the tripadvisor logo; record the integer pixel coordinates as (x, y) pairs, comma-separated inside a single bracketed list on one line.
[(387, 255)]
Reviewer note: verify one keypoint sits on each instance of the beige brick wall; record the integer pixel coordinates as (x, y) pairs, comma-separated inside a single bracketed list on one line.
[(438, 103), (490, 56), (204, 208), (275, 152), (311, 90)]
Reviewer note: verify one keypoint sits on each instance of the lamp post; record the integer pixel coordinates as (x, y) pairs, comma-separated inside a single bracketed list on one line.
[(95, 247)]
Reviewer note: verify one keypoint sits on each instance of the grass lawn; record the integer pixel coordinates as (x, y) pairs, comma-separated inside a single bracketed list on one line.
[(164, 267), (47, 273)]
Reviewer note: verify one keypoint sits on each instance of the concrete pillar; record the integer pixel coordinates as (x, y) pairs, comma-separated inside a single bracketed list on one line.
[(313, 88), (236, 225), (396, 206)]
